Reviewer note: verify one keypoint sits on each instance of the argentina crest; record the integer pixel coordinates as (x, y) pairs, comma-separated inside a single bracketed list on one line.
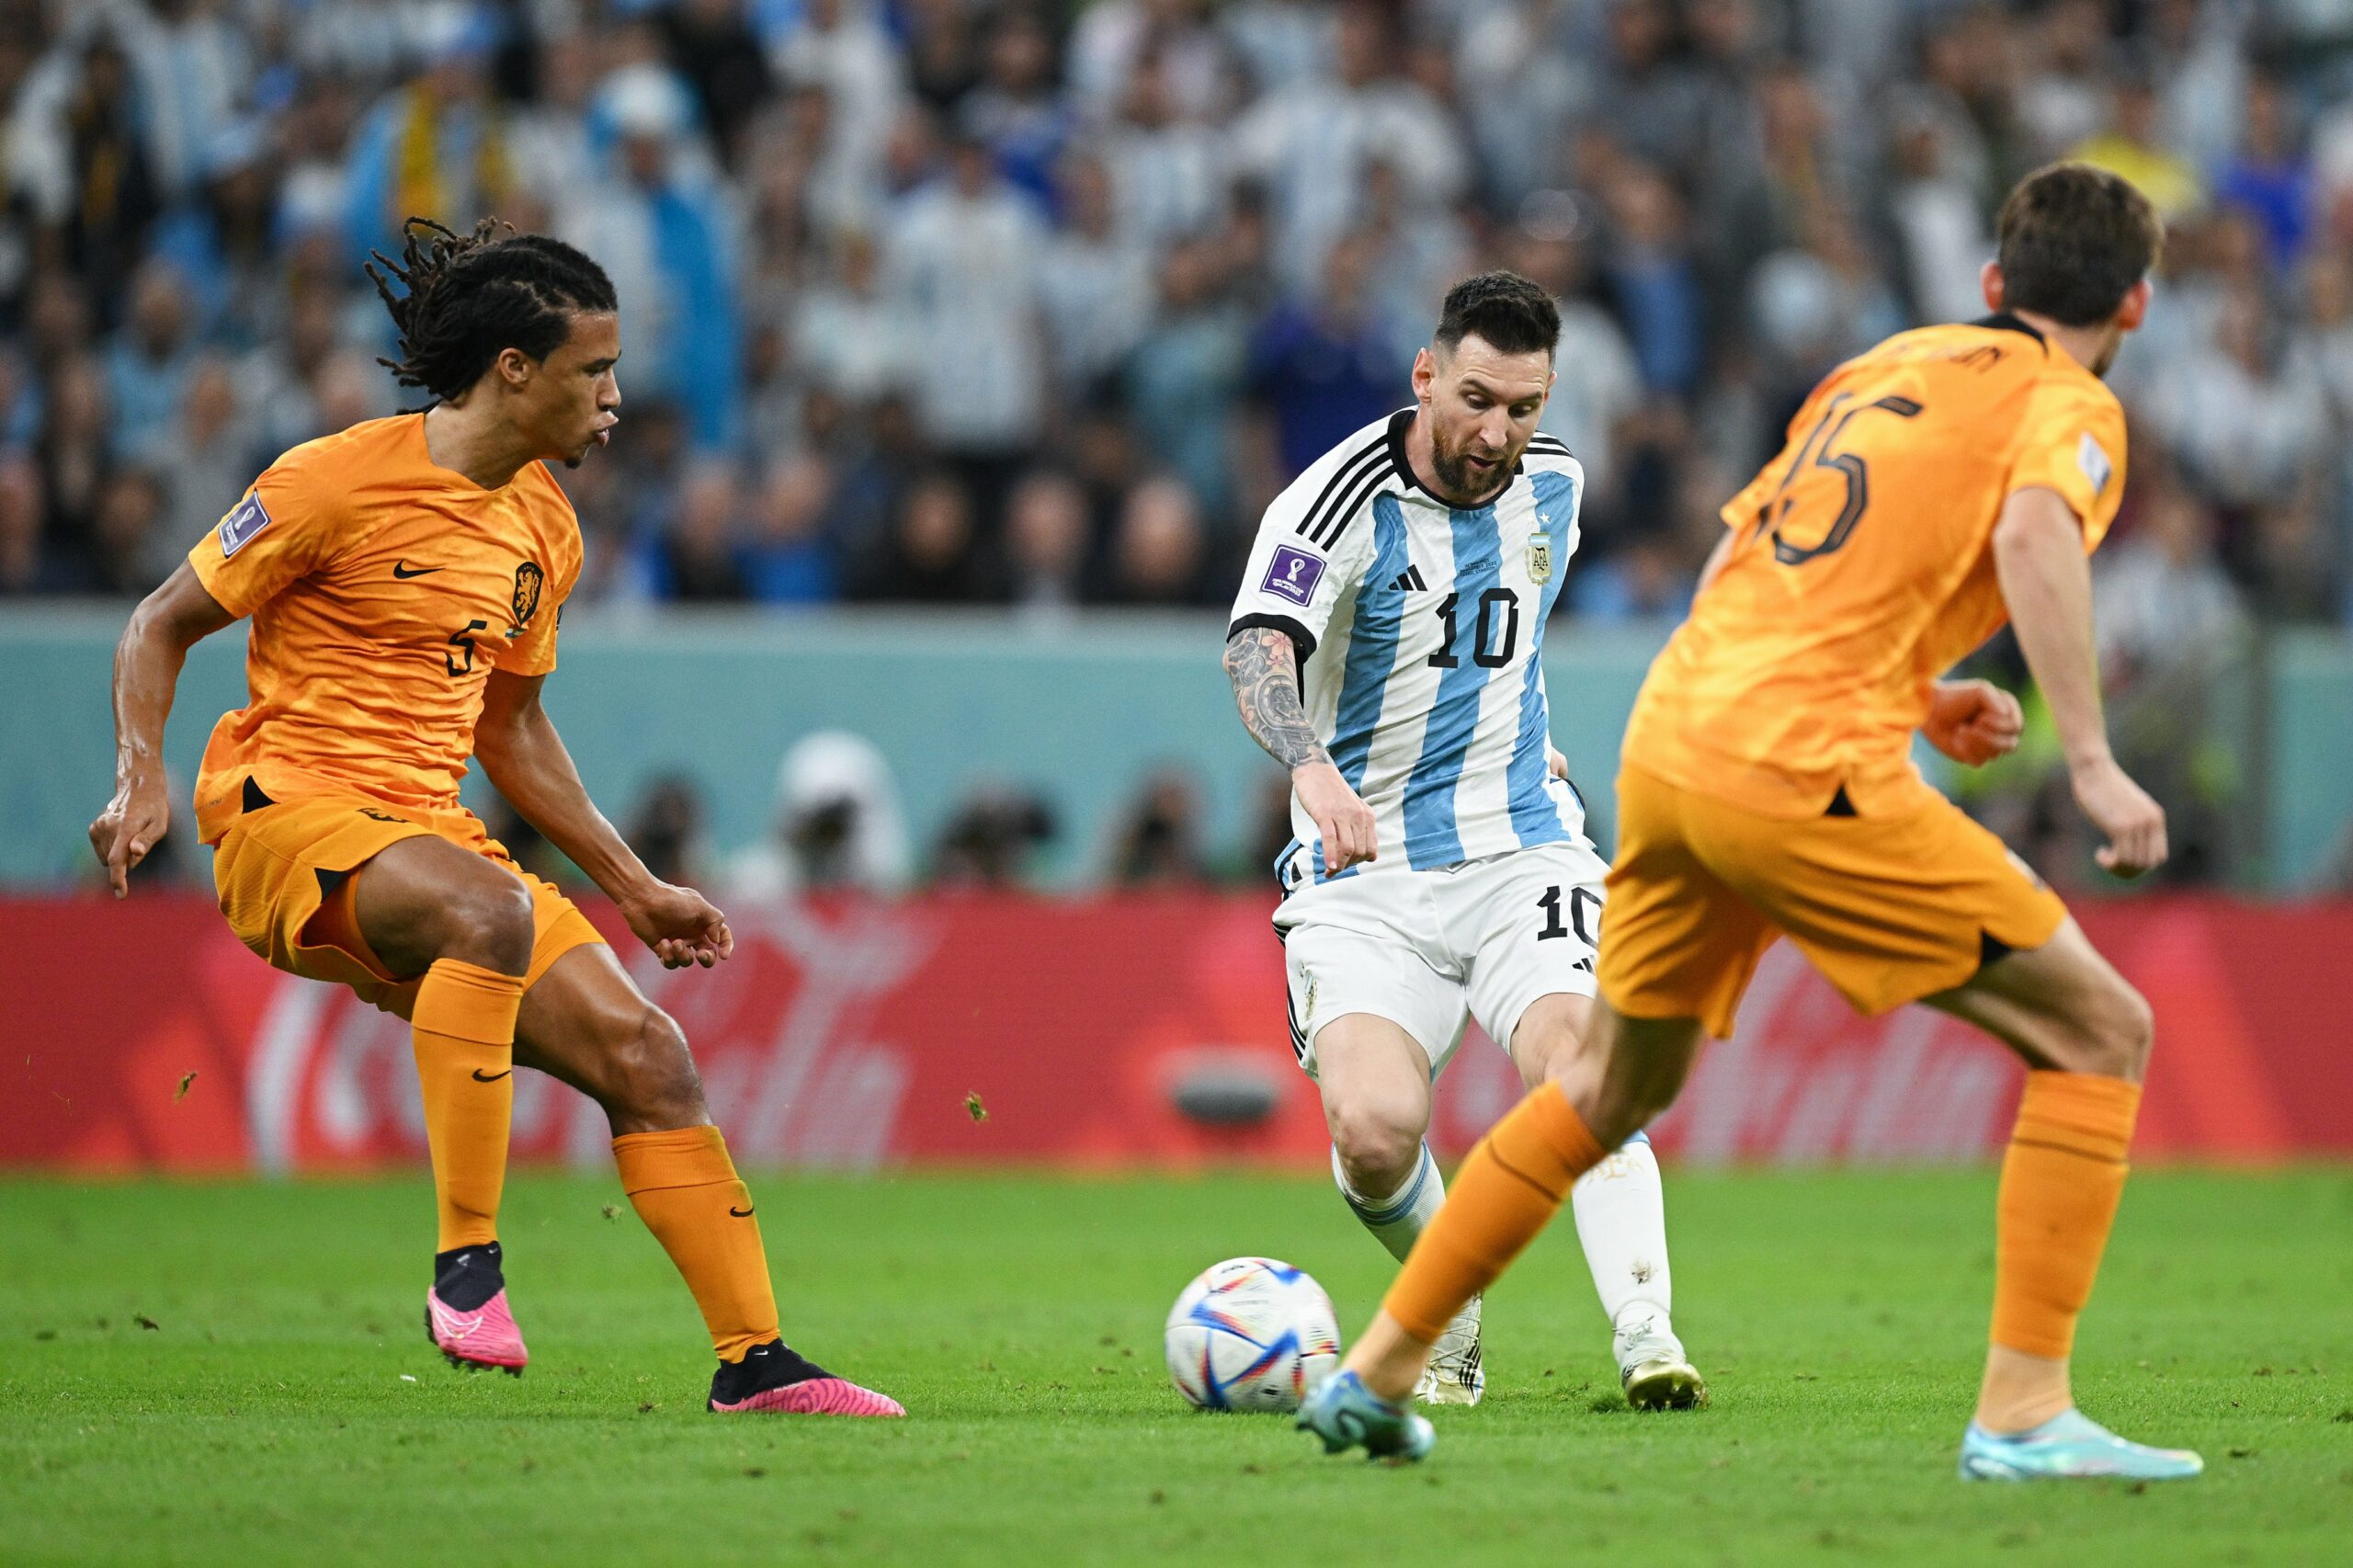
[(529, 580), (1540, 557)]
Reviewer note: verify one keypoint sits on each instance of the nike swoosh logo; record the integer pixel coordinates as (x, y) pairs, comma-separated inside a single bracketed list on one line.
[(453, 1325), (483, 1078), (741, 1214), (401, 570)]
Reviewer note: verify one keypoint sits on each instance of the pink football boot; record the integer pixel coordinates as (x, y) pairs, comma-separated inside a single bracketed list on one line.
[(482, 1334), (774, 1376)]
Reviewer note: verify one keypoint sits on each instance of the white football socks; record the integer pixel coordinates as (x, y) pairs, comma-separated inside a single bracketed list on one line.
[(1398, 1217), (1621, 1220)]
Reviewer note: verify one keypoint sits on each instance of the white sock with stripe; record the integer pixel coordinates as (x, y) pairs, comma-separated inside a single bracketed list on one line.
[(1396, 1218), (1622, 1221)]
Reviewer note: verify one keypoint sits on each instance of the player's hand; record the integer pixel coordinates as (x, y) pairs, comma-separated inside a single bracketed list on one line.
[(1974, 721), (680, 924), (1554, 763), (1341, 818), (139, 814), (2132, 821)]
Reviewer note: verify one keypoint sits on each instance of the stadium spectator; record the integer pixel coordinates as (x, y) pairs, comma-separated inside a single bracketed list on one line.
[(1325, 364), (131, 552), (789, 560), (1312, 145), (1159, 552), (148, 368), (23, 561), (2271, 178), (697, 558), (665, 237), (76, 155), (1156, 841), (1184, 379), (435, 145), (2134, 146), (1096, 286), (961, 268), (665, 830), (929, 557), (711, 44), (212, 454), (836, 824), (1047, 543), (991, 841)]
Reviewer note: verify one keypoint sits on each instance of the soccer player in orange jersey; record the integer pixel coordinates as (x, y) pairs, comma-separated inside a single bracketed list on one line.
[(405, 579), (1942, 482)]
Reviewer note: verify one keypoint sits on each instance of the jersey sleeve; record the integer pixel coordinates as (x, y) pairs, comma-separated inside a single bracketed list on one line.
[(2072, 441), (283, 529), (1294, 580)]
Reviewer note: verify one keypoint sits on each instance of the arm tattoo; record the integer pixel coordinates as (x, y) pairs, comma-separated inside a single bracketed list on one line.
[(1263, 669)]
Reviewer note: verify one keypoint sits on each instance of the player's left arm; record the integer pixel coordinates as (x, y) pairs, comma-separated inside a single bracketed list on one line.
[(520, 751)]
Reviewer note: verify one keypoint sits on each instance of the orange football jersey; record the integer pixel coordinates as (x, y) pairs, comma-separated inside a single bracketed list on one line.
[(1861, 567), (383, 590)]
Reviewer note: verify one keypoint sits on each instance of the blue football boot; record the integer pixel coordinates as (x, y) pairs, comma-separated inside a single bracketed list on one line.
[(1347, 1414), (2068, 1445)]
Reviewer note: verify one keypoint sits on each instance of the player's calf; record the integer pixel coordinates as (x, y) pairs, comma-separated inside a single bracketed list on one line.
[(647, 1080), (1629, 1073)]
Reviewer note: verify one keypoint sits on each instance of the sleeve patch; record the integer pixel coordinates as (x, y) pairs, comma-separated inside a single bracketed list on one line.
[(1292, 574), (239, 526), (2093, 461)]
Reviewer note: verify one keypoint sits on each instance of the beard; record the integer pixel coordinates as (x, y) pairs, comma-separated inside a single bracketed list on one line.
[(1455, 473)]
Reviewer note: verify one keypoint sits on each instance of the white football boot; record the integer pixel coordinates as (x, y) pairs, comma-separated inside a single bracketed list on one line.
[(1652, 1367), (1454, 1375)]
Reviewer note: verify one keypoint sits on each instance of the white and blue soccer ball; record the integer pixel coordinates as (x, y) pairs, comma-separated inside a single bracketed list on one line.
[(1251, 1334)]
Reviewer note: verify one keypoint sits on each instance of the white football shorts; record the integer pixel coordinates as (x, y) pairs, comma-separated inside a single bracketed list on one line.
[(1428, 951)]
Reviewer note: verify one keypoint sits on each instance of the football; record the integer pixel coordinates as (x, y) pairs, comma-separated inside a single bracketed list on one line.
[(1251, 1334)]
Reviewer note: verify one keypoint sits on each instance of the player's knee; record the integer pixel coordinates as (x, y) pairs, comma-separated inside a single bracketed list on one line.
[(1378, 1148), (490, 924), (2123, 1035), (651, 1080)]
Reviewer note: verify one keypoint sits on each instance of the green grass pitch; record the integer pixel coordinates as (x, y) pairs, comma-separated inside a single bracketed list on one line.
[(236, 1373)]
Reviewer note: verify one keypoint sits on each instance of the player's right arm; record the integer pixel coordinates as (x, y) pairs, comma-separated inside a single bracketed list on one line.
[(1263, 663), (287, 525), (2047, 584), (147, 662), (1304, 554)]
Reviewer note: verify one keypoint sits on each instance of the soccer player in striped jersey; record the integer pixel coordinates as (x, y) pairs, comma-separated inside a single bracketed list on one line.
[(1385, 648)]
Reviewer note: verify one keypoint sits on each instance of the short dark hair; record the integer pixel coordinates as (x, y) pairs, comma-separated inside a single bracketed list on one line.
[(471, 297), (2073, 240), (1509, 311)]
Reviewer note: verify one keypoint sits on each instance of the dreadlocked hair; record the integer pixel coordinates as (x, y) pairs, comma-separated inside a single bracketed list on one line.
[(468, 298)]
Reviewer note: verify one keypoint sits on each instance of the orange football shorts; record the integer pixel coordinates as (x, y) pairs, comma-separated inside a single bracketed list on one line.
[(1890, 908), (278, 861)]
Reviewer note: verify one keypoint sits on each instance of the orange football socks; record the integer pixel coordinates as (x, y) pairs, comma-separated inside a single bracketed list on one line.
[(2060, 1182), (463, 1029), (1508, 1190), (685, 1187)]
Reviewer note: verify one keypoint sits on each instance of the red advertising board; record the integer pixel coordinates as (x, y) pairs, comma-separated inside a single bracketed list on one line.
[(857, 1035)]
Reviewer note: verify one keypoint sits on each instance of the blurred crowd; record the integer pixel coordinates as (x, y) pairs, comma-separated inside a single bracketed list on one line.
[(994, 301)]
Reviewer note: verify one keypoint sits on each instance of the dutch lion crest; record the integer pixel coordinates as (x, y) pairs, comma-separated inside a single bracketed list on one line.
[(529, 580)]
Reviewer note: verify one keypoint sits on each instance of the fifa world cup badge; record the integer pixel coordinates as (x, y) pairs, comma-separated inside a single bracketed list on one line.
[(1540, 557)]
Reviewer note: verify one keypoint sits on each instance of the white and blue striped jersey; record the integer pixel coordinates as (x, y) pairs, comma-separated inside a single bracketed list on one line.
[(1422, 630)]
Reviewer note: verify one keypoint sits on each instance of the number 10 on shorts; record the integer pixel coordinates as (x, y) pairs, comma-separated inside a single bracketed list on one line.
[(1578, 899)]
